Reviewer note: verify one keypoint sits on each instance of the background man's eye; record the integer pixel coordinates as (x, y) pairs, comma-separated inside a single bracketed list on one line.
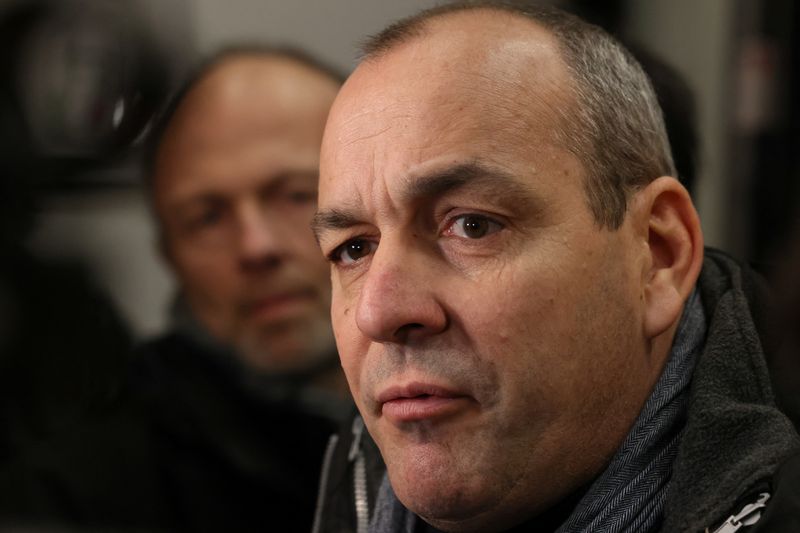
[(473, 226), (352, 251), (204, 219), (303, 197)]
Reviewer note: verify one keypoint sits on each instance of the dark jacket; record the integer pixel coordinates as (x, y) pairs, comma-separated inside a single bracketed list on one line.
[(736, 445), (192, 449)]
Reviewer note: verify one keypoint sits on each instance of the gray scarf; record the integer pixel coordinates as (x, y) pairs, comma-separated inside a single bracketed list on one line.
[(629, 495)]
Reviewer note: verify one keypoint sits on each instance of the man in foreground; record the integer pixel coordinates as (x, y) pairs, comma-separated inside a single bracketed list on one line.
[(516, 299)]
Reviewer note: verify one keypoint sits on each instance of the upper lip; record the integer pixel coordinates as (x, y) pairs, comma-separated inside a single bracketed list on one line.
[(414, 390)]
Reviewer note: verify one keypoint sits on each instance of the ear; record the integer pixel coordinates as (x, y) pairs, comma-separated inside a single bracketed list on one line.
[(674, 251)]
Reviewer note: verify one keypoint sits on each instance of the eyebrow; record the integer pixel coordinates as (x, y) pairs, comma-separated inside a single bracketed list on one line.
[(488, 180), (478, 176)]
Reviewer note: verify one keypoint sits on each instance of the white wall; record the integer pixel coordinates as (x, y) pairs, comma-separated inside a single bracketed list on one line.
[(326, 28)]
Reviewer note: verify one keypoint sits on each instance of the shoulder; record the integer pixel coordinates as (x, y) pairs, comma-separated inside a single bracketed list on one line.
[(735, 439)]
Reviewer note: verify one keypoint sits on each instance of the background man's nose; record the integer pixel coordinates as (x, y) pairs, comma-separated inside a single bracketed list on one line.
[(397, 302), (262, 239)]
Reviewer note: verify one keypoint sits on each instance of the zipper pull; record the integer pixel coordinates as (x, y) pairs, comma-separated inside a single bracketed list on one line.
[(357, 429), (360, 498), (749, 515)]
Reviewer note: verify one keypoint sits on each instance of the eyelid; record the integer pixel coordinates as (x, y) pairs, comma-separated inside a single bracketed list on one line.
[(460, 215), (335, 255)]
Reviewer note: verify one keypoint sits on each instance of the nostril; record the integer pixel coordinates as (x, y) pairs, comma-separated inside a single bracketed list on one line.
[(406, 329), (260, 262)]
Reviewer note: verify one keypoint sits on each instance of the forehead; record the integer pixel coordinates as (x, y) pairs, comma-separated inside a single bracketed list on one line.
[(248, 113), (479, 84)]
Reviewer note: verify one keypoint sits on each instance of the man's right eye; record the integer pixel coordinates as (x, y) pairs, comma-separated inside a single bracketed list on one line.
[(352, 251), (205, 218)]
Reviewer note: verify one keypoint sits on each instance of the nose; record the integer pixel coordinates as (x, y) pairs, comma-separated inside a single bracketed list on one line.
[(398, 302), (262, 239)]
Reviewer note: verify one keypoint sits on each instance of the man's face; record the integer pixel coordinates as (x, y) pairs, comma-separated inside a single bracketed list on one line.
[(235, 190), (490, 332)]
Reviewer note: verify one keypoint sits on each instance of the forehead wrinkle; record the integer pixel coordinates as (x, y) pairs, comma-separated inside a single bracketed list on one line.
[(352, 124), (472, 174)]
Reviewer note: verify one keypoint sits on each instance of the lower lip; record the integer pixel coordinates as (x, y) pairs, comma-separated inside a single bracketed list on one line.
[(422, 408)]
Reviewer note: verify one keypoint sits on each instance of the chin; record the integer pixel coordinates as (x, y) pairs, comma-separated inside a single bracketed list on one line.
[(438, 489), (294, 347)]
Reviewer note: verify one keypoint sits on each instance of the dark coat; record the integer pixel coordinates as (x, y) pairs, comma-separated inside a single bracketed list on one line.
[(191, 449)]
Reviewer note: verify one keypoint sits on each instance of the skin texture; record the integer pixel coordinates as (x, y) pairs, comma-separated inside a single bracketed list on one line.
[(465, 261), (235, 190)]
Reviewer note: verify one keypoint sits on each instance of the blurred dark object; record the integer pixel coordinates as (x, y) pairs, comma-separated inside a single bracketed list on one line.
[(785, 366), (188, 450), (80, 83), (75, 90), (609, 15), (63, 351), (765, 154)]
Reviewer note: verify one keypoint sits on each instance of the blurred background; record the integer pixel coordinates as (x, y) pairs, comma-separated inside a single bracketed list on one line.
[(86, 76)]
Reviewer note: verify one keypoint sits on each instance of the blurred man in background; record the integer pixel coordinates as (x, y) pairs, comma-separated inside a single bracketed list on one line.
[(251, 360), (228, 413), (234, 187)]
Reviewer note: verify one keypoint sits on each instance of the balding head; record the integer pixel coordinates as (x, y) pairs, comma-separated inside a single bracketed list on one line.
[(240, 93), (615, 127), (234, 187)]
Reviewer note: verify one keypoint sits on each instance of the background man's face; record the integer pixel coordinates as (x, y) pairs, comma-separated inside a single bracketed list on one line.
[(490, 332), (235, 189)]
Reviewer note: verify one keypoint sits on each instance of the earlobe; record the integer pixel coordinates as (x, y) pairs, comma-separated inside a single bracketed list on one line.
[(675, 252)]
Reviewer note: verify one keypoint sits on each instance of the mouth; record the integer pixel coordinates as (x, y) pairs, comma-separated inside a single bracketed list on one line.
[(420, 401), (280, 306)]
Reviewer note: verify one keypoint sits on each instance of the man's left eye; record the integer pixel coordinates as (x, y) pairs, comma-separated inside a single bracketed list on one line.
[(473, 226), (302, 197)]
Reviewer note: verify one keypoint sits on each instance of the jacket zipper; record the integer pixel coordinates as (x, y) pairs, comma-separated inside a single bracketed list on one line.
[(359, 477), (323, 482), (749, 515)]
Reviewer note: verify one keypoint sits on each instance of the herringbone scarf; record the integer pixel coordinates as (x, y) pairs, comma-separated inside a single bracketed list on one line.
[(629, 495)]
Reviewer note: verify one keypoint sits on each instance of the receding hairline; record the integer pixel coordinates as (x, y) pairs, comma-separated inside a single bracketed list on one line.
[(208, 67), (261, 70), (255, 60)]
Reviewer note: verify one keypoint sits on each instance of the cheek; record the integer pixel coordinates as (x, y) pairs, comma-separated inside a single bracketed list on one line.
[(318, 268), (351, 345), (530, 329), (210, 274)]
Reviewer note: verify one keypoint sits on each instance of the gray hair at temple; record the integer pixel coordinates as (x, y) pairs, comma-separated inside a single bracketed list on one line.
[(616, 127)]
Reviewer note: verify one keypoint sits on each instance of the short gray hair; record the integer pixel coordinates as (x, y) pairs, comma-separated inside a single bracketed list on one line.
[(616, 129)]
